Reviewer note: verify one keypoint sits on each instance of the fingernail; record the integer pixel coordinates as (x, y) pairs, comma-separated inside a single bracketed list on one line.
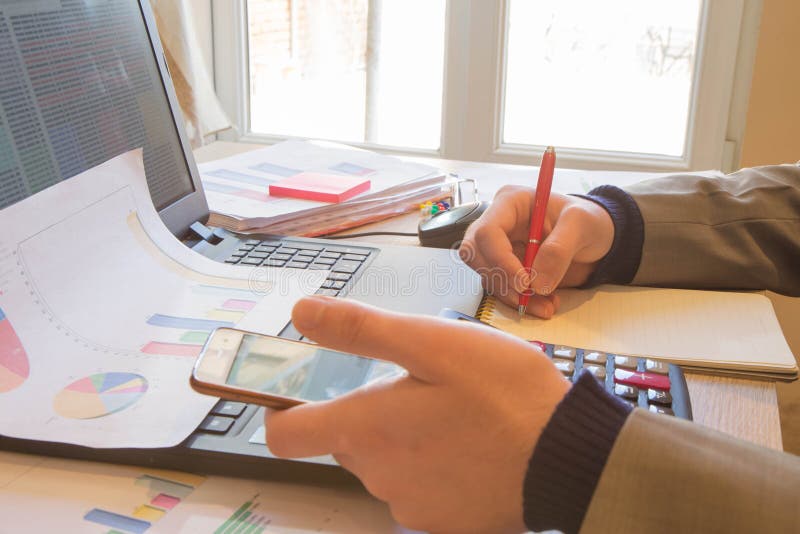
[(308, 312), (543, 288)]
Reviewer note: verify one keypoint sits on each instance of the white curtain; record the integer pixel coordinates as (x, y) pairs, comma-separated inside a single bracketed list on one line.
[(202, 111)]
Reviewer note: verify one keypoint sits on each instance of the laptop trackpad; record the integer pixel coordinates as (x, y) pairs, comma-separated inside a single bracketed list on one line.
[(418, 280)]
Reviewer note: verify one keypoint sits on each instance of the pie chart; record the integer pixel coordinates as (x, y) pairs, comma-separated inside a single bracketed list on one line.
[(14, 367), (99, 395)]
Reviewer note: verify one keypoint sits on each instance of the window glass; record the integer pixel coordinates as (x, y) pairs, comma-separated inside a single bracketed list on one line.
[(348, 70), (615, 75)]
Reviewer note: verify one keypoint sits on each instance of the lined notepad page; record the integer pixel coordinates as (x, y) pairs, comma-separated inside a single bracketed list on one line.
[(700, 328)]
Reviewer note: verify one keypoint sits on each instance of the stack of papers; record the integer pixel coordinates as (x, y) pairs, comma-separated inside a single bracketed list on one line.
[(238, 187)]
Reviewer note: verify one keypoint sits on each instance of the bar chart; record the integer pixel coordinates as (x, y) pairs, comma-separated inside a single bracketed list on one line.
[(185, 335), (245, 520), (151, 498)]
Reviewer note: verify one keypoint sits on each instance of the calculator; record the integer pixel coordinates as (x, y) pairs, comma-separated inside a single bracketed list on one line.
[(648, 383)]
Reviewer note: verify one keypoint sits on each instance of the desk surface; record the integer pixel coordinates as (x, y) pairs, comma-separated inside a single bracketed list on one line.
[(66, 489), (746, 409)]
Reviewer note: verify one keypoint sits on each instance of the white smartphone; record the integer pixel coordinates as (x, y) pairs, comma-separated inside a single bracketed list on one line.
[(279, 373)]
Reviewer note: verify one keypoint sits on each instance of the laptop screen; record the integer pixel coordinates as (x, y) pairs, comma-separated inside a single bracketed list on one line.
[(80, 85)]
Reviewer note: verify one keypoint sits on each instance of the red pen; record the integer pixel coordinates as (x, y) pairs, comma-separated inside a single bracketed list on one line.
[(543, 186)]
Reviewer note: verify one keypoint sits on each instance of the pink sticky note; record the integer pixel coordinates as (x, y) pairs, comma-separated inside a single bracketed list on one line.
[(320, 187)]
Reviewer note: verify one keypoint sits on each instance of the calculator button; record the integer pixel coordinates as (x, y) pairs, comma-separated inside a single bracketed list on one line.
[(215, 424), (657, 396), (274, 263), (303, 259), (326, 261), (341, 277), (288, 250), (229, 408), (626, 392), (297, 265), (566, 367), (251, 261), (563, 352), (592, 356), (626, 362), (641, 379), (539, 345), (661, 409), (282, 257), (597, 371), (327, 292), (318, 267), (328, 254), (655, 366), (232, 260)]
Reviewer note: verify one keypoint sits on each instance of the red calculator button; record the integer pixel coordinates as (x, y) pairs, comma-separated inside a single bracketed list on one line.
[(541, 346), (642, 380)]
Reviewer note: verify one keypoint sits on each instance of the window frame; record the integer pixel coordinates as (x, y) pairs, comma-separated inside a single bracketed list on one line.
[(475, 47)]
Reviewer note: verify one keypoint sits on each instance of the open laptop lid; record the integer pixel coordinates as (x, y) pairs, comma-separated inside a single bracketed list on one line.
[(82, 81)]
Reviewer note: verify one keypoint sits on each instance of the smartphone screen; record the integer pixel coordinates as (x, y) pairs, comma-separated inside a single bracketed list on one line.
[(300, 370)]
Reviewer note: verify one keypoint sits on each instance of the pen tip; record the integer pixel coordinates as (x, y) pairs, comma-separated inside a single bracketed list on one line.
[(550, 149), (521, 310)]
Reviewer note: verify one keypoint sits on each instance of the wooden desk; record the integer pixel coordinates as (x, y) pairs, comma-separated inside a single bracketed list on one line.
[(746, 409)]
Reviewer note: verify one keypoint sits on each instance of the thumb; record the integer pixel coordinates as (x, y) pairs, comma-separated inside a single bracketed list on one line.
[(556, 253), (356, 328)]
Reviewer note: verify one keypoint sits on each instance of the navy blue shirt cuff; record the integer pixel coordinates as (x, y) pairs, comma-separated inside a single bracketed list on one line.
[(570, 455), (619, 266)]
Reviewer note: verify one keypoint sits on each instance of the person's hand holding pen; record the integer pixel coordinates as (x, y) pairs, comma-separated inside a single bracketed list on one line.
[(577, 234)]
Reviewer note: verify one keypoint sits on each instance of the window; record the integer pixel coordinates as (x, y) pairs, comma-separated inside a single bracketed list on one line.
[(598, 75), (638, 84)]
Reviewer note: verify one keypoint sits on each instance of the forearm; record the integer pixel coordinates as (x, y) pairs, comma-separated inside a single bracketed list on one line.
[(600, 468), (740, 232), (736, 232), (664, 473)]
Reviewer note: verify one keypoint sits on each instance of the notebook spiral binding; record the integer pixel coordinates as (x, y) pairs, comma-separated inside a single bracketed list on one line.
[(485, 311)]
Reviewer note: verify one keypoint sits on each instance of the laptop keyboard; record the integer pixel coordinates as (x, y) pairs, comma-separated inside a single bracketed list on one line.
[(342, 262)]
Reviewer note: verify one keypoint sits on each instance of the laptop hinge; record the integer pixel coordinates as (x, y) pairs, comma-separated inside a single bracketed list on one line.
[(205, 233)]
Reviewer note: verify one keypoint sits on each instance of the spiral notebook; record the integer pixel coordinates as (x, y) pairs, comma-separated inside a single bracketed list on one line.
[(718, 332)]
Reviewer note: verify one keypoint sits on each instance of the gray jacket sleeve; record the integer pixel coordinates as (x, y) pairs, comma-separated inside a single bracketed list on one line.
[(669, 475), (739, 232)]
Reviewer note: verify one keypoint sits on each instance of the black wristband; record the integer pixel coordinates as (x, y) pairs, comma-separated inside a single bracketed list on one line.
[(619, 266), (570, 455)]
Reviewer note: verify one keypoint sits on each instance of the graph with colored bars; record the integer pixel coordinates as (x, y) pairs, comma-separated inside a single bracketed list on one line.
[(158, 494), (253, 185), (245, 520), (186, 335)]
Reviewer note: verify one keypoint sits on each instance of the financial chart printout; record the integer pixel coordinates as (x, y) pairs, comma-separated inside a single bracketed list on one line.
[(79, 85), (98, 335)]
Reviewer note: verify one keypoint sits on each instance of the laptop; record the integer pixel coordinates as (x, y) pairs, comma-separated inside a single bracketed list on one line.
[(83, 81)]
